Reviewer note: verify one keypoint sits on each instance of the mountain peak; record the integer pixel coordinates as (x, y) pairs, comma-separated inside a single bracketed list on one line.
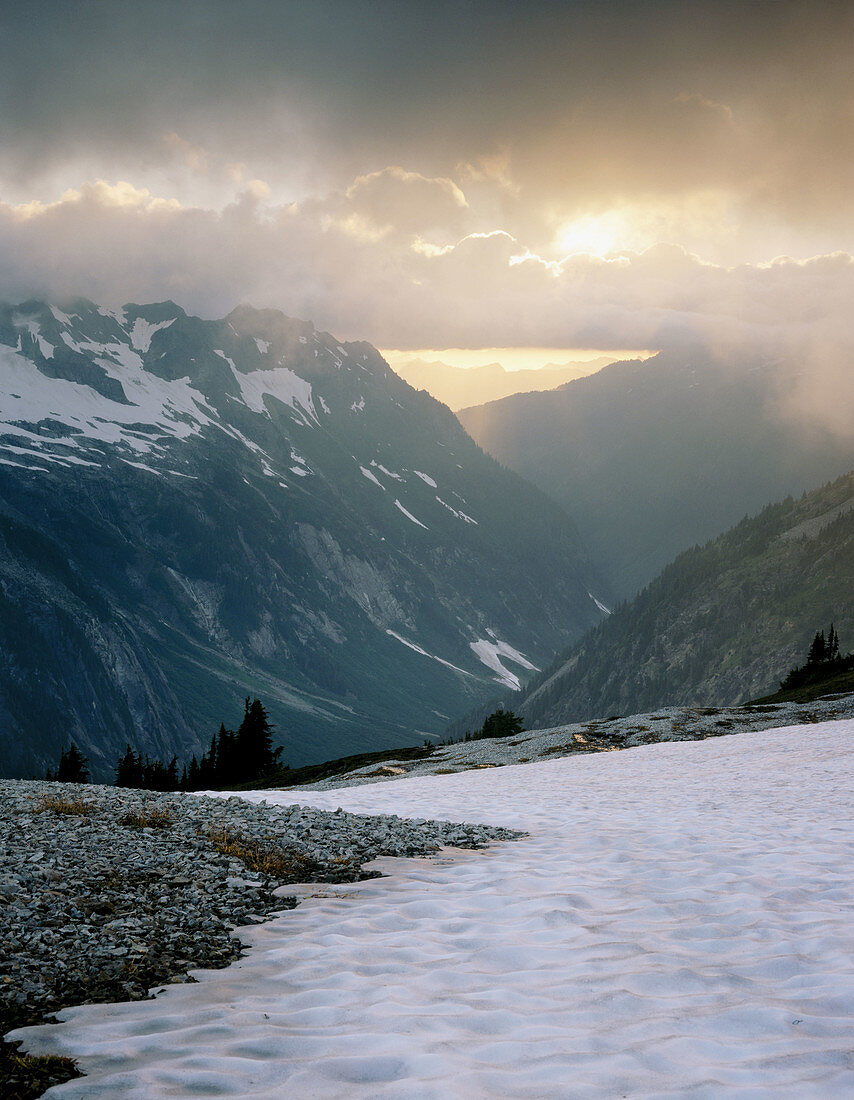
[(270, 324), (196, 509)]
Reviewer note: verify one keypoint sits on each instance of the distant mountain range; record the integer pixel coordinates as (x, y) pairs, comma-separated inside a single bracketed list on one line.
[(722, 624), (192, 511), (652, 457), (459, 387)]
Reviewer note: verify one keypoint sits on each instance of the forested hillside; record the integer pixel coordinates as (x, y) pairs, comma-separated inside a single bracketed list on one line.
[(723, 623)]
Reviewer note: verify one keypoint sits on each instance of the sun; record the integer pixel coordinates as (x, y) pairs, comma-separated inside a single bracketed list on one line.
[(592, 234)]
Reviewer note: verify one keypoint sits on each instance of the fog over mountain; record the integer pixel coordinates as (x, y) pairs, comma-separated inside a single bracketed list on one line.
[(459, 387), (652, 457), (193, 511)]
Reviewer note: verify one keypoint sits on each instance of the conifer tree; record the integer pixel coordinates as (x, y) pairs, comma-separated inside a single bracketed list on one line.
[(227, 758), (818, 650), (254, 742), (501, 723), (129, 770), (73, 766)]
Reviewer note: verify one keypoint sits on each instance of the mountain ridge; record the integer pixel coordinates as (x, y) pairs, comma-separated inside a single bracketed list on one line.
[(721, 624), (459, 387), (194, 510), (650, 457)]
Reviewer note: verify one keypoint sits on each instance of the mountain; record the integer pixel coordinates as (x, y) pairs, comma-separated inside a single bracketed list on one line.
[(192, 511), (652, 457), (459, 387), (722, 624)]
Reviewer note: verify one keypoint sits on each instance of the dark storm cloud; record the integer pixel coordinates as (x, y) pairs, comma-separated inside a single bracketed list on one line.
[(466, 174), (589, 97)]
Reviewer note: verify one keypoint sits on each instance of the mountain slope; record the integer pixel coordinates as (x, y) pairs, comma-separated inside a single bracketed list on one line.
[(652, 457), (722, 623), (194, 510)]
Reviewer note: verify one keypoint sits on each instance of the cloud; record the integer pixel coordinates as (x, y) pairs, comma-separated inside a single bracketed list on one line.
[(114, 242), (562, 110), (390, 284), (591, 174)]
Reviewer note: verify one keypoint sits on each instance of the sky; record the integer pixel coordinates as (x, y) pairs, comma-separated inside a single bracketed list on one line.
[(429, 175)]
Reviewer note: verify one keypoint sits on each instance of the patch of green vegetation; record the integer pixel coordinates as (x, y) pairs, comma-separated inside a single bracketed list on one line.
[(312, 773), (841, 684)]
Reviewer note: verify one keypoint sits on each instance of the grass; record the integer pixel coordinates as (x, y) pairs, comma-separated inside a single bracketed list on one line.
[(25, 1076), (147, 819), (57, 804), (267, 859)]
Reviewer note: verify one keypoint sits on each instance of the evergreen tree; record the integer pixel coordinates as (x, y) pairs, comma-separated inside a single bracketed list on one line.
[(255, 755), (129, 770), (823, 661), (818, 650), (73, 767), (501, 723), (227, 756)]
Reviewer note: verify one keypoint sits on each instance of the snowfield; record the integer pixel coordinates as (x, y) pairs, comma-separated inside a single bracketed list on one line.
[(677, 923)]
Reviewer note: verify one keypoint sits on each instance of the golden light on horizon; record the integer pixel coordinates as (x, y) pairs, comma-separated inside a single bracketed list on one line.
[(513, 359)]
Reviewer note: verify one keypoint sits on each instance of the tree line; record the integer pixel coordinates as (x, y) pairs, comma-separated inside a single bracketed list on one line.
[(823, 661), (233, 757)]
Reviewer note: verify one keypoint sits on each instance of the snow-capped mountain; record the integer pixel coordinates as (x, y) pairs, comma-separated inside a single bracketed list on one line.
[(194, 510)]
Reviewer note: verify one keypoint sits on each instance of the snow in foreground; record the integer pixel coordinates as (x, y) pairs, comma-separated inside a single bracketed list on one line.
[(678, 922)]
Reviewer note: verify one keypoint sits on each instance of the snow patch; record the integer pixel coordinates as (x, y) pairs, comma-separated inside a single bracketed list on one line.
[(222, 355), (459, 515), (324, 406), (601, 606), (142, 466), (409, 515), (388, 473), (677, 922), (142, 332), (63, 318), (490, 654), (262, 345), (426, 479), (424, 653), (34, 329), (116, 314), (358, 406), (370, 477), (70, 342), (280, 383), (156, 407)]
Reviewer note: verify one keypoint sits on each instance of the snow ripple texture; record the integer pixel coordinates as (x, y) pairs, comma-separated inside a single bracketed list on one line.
[(679, 922)]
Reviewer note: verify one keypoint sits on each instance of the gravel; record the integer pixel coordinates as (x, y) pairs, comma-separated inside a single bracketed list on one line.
[(95, 907)]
